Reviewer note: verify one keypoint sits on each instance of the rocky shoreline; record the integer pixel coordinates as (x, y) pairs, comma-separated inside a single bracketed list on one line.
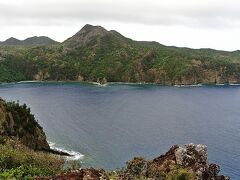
[(187, 162), (56, 152), (130, 83)]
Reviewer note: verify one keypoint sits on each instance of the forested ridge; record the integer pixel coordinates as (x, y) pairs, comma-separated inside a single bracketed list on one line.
[(95, 54)]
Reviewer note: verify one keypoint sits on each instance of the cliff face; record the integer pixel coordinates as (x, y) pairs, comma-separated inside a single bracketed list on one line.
[(17, 122)]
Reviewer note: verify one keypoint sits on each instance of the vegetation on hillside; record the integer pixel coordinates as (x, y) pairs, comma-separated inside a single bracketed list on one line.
[(17, 121), (42, 40), (19, 162), (95, 53)]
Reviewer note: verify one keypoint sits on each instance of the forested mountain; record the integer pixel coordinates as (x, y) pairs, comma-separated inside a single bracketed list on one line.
[(95, 54), (42, 40)]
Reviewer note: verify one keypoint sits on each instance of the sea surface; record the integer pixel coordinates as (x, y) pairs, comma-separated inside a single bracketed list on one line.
[(106, 126)]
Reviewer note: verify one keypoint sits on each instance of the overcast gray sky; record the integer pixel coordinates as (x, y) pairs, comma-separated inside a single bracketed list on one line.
[(189, 23)]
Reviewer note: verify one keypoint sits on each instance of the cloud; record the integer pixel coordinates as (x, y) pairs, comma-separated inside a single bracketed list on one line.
[(189, 23), (191, 13)]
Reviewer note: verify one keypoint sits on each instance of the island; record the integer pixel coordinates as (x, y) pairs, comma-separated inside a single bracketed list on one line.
[(95, 54)]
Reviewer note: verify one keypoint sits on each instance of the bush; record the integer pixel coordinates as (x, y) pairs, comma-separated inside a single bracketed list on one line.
[(24, 173), (180, 174), (137, 166), (73, 164), (3, 140), (155, 171)]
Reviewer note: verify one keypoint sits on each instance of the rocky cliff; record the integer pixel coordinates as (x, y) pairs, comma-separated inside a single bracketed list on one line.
[(18, 123)]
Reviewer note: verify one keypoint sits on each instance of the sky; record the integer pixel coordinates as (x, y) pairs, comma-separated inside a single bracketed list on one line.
[(184, 23)]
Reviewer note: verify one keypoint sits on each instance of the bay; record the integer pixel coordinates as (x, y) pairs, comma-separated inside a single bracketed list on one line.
[(110, 125)]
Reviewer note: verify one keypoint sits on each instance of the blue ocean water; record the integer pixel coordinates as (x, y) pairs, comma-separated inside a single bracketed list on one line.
[(110, 125)]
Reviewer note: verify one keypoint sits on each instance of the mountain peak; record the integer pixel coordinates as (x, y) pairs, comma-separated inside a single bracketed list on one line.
[(85, 36), (93, 30), (12, 41), (35, 40), (38, 40), (89, 27)]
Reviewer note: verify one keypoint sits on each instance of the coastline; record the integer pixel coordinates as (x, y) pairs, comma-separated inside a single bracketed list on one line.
[(124, 83), (62, 151)]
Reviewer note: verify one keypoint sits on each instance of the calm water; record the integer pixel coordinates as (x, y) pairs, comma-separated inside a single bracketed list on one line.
[(110, 125)]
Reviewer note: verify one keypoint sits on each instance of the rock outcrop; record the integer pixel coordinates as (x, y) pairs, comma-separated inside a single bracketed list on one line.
[(83, 174), (191, 157)]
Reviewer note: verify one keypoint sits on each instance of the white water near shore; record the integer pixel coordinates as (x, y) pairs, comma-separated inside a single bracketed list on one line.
[(74, 154), (191, 85)]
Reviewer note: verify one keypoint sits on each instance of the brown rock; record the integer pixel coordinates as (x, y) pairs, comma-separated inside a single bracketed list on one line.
[(192, 157), (83, 174)]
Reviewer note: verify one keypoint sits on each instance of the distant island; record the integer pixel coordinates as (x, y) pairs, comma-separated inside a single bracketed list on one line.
[(97, 55), (25, 154)]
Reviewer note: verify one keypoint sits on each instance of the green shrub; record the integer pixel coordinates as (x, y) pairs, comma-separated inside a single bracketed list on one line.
[(137, 166), (180, 174), (24, 173), (73, 165)]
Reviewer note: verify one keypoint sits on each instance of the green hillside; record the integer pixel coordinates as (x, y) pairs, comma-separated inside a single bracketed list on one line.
[(95, 54)]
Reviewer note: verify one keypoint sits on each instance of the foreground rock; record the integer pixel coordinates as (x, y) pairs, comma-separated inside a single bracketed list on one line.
[(83, 174), (188, 162), (191, 157)]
